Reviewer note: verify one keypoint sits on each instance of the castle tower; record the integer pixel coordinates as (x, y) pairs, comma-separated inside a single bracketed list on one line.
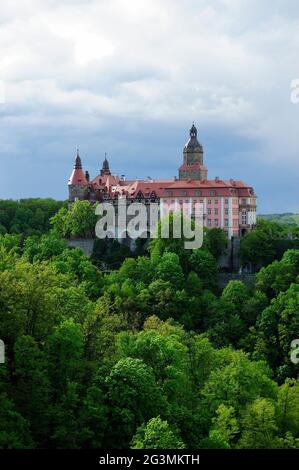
[(105, 168), (193, 167), (78, 184)]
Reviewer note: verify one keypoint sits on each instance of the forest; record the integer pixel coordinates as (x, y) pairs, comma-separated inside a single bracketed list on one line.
[(144, 350)]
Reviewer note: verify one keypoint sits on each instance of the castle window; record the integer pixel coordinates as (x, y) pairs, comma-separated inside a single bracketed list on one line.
[(209, 201), (216, 222), (209, 211), (225, 201), (226, 222), (197, 193), (209, 222), (216, 211), (184, 193), (216, 201), (212, 193)]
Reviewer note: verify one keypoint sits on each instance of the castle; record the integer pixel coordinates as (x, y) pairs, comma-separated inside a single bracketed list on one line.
[(227, 204)]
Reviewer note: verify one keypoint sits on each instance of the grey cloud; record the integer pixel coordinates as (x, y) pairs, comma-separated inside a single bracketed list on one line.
[(128, 76)]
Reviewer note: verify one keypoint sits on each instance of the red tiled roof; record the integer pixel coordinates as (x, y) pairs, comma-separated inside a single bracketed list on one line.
[(131, 188), (78, 177), (216, 183), (144, 187), (221, 187)]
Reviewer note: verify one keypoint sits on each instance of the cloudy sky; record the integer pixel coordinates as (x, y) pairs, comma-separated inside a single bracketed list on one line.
[(128, 77)]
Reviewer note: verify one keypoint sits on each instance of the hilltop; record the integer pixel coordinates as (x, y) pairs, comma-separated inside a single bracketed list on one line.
[(287, 218)]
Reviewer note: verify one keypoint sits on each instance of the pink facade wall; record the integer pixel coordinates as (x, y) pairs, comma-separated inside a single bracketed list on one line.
[(222, 211)]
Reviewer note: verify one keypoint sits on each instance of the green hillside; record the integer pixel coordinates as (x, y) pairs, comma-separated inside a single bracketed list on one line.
[(286, 218)]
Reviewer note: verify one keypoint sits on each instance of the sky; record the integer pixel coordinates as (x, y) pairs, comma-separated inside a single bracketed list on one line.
[(128, 77)]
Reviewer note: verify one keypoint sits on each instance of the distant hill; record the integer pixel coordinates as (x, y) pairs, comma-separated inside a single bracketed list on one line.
[(285, 219)]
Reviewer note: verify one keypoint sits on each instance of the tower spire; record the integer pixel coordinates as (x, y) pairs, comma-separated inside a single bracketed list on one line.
[(193, 167), (105, 168), (78, 162)]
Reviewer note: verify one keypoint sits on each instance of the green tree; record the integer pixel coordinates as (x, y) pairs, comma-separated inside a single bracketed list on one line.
[(28, 216), (133, 398), (94, 417), (239, 382), (259, 427), (160, 245), (205, 266), (78, 221), (257, 248), (61, 223), (45, 248), (31, 390), (14, 429), (76, 264), (216, 241), (166, 355), (156, 434), (64, 355), (225, 423), (236, 294), (82, 219), (288, 407), (27, 299), (168, 269), (65, 415), (276, 277), (277, 326)]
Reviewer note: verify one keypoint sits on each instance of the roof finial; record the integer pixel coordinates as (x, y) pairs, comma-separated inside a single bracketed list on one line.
[(193, 131)]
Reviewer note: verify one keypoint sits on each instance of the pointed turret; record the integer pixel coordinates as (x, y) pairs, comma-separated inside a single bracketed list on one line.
[(78, 182), (105, 168)]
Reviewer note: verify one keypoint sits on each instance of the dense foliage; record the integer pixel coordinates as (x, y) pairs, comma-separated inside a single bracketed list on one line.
[(28, 216), (150, 355), (268, 242)]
